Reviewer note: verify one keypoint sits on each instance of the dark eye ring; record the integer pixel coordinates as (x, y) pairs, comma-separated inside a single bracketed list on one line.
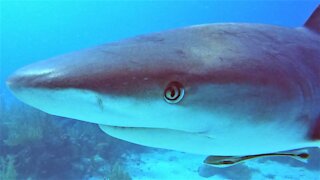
[(174, 92)]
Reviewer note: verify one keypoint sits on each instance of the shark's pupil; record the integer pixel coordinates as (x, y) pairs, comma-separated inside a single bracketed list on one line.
[(174, 92)]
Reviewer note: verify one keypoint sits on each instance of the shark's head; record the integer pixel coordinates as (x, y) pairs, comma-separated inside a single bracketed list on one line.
[(140, 82), (193, 81)]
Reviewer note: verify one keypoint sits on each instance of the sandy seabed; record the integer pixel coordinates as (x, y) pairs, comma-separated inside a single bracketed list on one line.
[(171, 165)]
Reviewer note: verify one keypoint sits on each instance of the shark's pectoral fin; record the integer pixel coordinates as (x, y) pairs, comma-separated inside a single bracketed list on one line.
[(313, 22), (226, 161)]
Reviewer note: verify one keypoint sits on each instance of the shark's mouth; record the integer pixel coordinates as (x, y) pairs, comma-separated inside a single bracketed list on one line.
[(160, 137), (154, 129)]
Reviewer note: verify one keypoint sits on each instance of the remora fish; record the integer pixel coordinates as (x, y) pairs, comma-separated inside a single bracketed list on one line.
[(226, 161), (216, 89)]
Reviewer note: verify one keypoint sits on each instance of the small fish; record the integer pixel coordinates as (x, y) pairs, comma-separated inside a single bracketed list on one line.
[(226, 161)]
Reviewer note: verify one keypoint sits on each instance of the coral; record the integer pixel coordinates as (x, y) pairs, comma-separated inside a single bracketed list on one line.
[(51, 147), (7, 168), (24, 125), (24, 133), (118, 172)]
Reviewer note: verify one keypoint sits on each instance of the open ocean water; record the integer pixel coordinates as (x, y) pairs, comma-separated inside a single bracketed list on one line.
[(35, 145)]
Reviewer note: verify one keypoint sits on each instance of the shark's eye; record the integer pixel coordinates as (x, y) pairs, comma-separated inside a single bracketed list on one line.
[(174, 92)]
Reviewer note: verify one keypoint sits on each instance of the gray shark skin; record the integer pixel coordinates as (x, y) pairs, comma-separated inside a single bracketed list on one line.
[(248, 88)]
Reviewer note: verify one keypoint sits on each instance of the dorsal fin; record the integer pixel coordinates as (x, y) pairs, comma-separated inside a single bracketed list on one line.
[(313, 23)]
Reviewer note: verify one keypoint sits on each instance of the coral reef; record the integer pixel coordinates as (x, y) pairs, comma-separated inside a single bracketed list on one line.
[(24, 133), (7, 168), (50, 147), (118, 172), (25, 125)]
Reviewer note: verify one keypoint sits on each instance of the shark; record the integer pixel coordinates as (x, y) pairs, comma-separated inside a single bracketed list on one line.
[(232, 91)]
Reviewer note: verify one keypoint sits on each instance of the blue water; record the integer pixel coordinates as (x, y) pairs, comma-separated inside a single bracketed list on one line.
[(35, 30)]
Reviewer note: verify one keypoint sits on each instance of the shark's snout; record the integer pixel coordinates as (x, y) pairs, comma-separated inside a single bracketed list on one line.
[(39, 87), (29, 83), (12, 82), (29, 77)]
